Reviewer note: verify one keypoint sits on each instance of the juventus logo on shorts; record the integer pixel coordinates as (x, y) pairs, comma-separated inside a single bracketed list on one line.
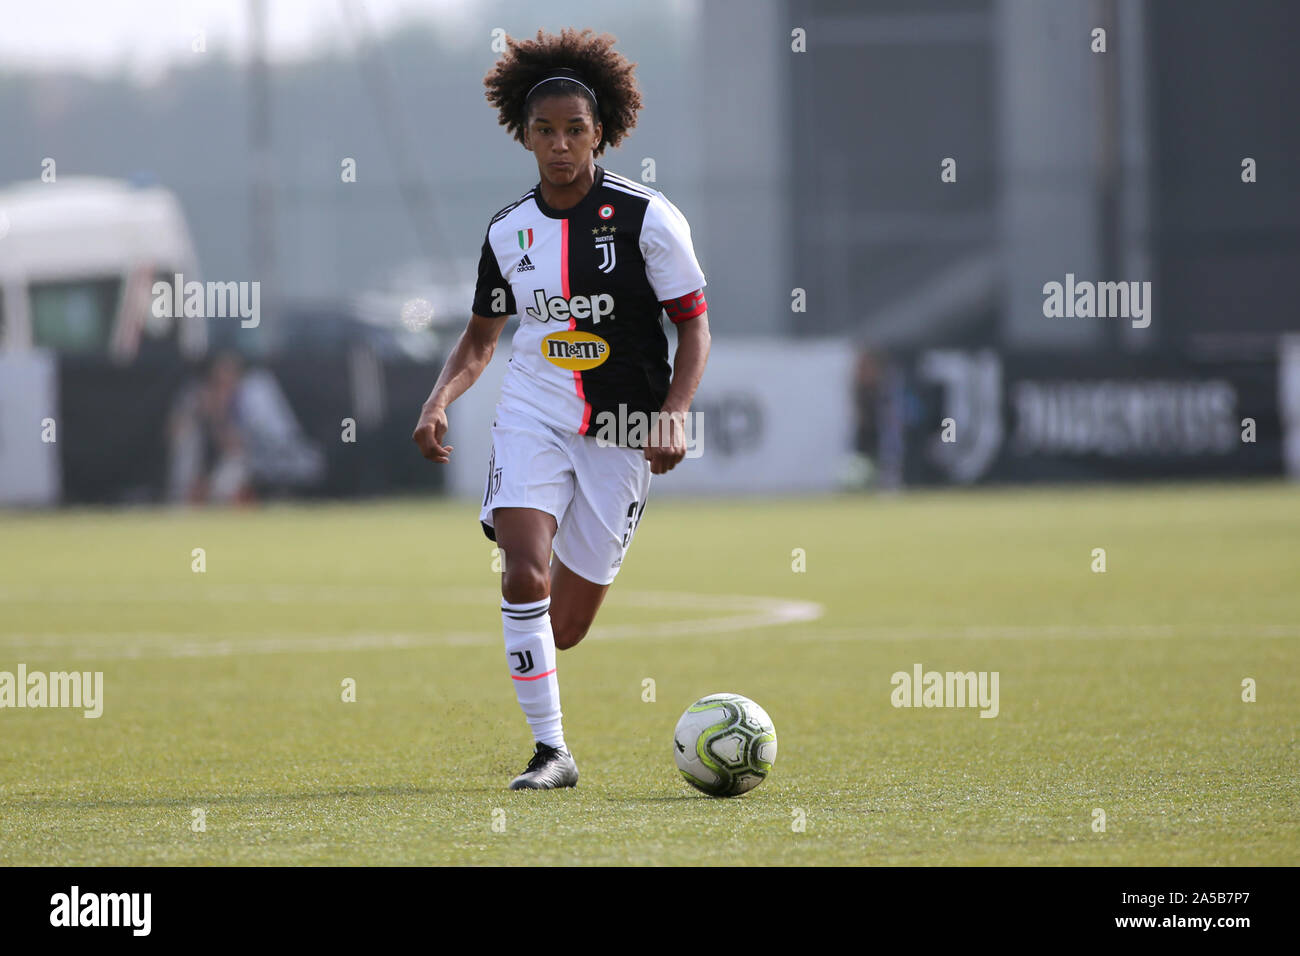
[(493, 478), (608, 258)]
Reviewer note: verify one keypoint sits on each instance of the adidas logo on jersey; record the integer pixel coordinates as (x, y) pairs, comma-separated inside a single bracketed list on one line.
[(594, 307), (525, 265)]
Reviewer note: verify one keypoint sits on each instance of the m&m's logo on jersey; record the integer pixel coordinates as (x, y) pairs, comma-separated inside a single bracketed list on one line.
[(525, 238), (605, 211), (575, 351)]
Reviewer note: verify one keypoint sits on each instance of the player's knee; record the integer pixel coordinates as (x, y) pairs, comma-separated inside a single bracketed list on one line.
[(567, 634), (524, 582)]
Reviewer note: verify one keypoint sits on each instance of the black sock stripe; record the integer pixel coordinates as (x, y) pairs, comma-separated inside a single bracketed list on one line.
[(526, 615)]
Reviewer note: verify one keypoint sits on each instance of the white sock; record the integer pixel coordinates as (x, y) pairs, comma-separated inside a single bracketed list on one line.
[(530, 656)]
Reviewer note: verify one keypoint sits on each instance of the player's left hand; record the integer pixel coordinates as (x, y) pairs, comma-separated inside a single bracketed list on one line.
[(667, 442)]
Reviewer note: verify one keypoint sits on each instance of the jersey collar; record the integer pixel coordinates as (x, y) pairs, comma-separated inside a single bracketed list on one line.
[(584, 203)]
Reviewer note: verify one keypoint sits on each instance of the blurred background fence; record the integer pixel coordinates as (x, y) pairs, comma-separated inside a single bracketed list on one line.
[(881, 195)]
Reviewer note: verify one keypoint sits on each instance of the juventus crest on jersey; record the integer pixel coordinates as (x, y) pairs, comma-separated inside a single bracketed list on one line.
[(590, 285)]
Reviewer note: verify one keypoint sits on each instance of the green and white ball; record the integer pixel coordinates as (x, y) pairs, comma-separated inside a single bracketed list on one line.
[(724, 745)]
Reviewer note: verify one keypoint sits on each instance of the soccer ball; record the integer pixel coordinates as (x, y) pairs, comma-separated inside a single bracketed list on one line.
[(724, 745)]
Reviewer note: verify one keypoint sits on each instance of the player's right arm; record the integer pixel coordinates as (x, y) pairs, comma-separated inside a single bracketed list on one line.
[(468, 358)]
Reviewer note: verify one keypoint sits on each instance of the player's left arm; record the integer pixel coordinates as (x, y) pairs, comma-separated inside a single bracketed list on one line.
[(672, 268), (667, 444)]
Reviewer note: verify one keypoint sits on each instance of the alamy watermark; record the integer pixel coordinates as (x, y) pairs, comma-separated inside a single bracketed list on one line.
[(130, 910), (635, 429), (77, 689), (1101, 300), (208, 300), (922, 688)]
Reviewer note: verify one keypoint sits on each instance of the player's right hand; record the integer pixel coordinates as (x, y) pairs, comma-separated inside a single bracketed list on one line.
[(429, 433)]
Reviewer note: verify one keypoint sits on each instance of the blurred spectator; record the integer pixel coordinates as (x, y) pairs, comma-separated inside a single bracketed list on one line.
[(233, 436), (859, 469)]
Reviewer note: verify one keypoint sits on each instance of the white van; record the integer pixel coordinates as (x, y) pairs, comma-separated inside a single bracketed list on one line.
[(78, 259)]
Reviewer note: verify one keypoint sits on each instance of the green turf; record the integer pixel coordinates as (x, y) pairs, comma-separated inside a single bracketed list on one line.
[(1119, 691)]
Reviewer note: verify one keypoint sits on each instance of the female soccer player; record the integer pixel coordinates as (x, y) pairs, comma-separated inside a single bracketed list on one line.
[(593, 260)]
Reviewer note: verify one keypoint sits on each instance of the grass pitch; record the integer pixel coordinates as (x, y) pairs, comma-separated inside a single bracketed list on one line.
[(1119, 691)]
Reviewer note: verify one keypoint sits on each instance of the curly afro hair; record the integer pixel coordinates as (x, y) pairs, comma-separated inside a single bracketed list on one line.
[(591, 56)]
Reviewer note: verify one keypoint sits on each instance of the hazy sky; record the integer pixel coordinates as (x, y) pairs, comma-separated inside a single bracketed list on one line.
[(144, 36)]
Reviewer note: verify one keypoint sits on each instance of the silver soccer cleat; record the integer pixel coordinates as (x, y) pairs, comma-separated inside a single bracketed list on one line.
[(550, 768)]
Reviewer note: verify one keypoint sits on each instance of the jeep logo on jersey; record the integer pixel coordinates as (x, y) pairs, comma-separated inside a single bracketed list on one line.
[(594, 307), (576, 351)]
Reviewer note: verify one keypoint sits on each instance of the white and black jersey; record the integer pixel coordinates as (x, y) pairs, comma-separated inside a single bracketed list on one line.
[(590, 285)]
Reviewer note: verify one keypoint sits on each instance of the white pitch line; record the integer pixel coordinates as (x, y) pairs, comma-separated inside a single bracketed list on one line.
[(247, 594), (750, 615), (154, 645), (1038, 632), (758, 612)]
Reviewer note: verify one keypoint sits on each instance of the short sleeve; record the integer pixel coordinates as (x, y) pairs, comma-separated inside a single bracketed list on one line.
[(487, 292), (670, 263)]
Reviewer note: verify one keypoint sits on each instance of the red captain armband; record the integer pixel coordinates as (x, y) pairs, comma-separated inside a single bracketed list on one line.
[(686, 306)]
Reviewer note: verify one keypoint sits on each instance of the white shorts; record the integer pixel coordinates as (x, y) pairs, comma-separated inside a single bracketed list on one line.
[(596, 493)]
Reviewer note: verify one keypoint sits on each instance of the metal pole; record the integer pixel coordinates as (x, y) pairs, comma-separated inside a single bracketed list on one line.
[(261, 217)]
